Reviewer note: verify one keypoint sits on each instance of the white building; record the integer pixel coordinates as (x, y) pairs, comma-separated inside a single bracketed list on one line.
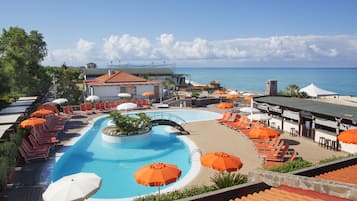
[(109, 85)]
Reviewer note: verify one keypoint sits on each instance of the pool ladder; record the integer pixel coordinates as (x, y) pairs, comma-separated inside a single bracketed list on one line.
[(194, 153)]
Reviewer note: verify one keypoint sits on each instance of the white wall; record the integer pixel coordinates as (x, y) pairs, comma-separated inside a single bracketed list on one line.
[(112, 91), (350, 148)]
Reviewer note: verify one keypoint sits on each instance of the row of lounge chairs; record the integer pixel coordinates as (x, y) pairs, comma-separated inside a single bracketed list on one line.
[(103, 106), (41, 140), (274, 151)]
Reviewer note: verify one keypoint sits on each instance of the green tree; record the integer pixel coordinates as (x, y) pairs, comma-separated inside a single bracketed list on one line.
[(66, 83), (292, 90), (20, 55)]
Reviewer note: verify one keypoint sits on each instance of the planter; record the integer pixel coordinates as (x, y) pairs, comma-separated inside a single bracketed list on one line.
[(142, 137)]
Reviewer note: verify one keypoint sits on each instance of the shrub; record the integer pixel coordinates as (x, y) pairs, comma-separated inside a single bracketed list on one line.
[(291, 166), (195, 94), (186, 192), (8, 150), (126, 125), (4, 168), (224, 180), (16, 138), (333, 158)]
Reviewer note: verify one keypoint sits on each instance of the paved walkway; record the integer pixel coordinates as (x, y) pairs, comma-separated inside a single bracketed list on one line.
[(30, 180)]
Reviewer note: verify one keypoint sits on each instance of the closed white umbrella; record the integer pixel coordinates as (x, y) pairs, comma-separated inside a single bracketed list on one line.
[(259, 117), (248, 110), (78, 186), (127, 106), (93, 98), (232, 93), (124, 95), (60, 101)]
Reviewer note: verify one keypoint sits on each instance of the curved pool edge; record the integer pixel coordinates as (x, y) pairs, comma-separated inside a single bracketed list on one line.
[(189, 177), (73, 140), (191, 174)]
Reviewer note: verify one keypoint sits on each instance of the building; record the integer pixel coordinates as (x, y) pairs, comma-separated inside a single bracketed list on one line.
[(322, 122), (109, 85), (156, 73)]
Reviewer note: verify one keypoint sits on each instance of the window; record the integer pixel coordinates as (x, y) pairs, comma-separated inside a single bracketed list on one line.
[(128, 89)]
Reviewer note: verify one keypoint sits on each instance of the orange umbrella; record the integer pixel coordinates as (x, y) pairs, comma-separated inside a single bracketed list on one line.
[(157, 174), (32, 122), (348, 136), (263, 132), (148, 93), (220, 92), (232, 96), (49, 107), (225, 105), (221, 161), (41, 113), (248, 98)]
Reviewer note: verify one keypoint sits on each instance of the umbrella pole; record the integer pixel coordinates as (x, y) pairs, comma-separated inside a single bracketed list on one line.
[(159, 194), (251, 112)]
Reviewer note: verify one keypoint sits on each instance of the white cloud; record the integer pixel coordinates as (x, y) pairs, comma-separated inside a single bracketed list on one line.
[(84, 45), (126, 46), (77, 56), (258, 51)]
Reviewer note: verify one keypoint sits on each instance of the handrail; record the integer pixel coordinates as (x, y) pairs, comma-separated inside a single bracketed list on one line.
[(163, 115)]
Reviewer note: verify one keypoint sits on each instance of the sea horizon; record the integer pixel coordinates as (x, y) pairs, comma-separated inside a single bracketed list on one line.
[(337, 79)]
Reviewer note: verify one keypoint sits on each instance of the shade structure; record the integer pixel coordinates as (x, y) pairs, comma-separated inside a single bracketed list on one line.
[(93, 98), (221, 161), (157, 174), (148, 93), (225, 105), (60, 100), (220, 92), (32, 122), (78, 186), (259, 117), (233, 93), (348, 136), (314, 91), (232, 96), (127, 106), (42, 113), (248, 98), (248, 110), (264, 132), (52, 107), (124, 95)]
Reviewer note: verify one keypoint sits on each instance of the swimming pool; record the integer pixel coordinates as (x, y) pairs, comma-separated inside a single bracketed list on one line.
[(117, 163)]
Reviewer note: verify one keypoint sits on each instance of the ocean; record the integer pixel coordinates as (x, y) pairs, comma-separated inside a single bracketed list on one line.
[(340, 80)]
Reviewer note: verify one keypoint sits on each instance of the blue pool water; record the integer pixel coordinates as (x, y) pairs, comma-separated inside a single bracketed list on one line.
[(116, 164)]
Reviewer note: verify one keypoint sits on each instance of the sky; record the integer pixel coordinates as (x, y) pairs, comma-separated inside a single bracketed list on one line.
[(191, 33)]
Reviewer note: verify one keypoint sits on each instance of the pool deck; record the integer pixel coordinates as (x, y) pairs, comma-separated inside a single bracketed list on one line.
[(29, 181)]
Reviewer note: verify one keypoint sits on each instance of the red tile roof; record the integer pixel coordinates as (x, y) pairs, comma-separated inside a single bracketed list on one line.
[(347, 175), (284, 193), (119, 78)]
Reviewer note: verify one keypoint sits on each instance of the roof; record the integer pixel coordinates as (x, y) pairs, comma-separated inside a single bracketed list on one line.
[(283, 193), (3, 129), (316, 107), (314, 91), (346, 174), (14, 110), (136, 71), (9, 118), (119, 78)]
